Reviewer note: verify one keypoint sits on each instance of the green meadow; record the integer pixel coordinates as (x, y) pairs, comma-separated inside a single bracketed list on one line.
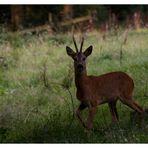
[(37, 90)]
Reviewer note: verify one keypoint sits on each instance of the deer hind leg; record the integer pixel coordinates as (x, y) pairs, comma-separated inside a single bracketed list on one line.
[(113, 110), (132, 104), (78, 113), (135, 106)]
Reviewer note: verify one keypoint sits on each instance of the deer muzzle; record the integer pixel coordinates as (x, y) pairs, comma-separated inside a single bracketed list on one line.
[(80, 67)]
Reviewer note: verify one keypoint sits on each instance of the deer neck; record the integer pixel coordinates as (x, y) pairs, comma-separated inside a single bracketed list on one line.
[(80, 78)]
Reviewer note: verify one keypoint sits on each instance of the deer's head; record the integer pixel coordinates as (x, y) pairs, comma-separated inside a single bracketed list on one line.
[(79, 57)]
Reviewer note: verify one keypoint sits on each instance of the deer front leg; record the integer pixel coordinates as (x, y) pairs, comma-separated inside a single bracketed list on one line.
[(78, 113), (92, 112)]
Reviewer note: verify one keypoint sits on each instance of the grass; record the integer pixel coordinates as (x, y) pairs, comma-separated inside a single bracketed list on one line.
[(37, 91)]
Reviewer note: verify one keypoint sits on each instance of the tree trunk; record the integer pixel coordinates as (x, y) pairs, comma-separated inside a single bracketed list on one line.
[(67, 12), (17, 16)]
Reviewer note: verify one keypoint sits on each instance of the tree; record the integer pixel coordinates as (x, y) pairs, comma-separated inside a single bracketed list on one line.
[(17, 16)]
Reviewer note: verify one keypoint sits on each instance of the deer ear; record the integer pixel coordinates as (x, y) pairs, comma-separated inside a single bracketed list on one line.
[(70, 52), (88, 51)]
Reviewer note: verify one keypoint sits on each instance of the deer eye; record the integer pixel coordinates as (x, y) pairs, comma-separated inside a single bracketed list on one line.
[(75, 59)]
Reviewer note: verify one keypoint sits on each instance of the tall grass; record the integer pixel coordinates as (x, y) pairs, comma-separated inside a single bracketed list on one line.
[(37, 91)]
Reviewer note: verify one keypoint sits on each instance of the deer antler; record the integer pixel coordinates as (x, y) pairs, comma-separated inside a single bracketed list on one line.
[(82, 43), (75, 44)]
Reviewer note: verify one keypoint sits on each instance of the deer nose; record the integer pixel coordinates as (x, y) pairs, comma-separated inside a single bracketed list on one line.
[(80, 67)]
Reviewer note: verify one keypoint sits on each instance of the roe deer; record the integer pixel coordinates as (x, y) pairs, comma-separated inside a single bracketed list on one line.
[(95, 90)]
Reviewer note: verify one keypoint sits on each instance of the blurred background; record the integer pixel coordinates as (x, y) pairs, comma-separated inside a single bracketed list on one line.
[(62, 17)]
